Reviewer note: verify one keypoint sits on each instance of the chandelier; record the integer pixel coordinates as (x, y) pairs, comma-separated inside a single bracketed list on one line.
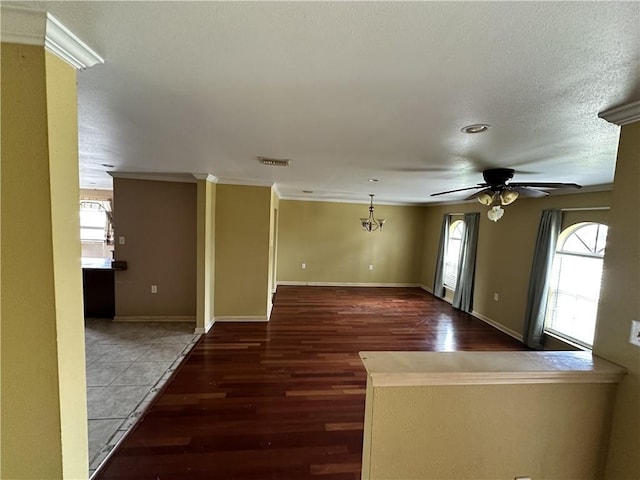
[(371, 224)]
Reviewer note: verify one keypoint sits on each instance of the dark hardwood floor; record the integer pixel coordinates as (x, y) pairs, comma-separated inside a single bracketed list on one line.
[(285, 399)]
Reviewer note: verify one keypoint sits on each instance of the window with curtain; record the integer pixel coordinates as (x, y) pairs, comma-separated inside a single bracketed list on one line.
[(452, 257), (576, 274)]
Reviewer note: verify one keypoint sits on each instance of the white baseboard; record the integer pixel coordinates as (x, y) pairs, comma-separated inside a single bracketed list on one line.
[(345, 284), (153, 318), (494, 324), (241, 319), (426, 289), (207, 327)]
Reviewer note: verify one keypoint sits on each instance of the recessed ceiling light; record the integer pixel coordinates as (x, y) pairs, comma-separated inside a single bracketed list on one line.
[(374, 180), (108, 165), (476, 128)]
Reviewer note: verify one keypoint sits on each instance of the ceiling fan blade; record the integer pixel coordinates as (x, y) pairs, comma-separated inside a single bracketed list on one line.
[(477, 194), (527, 192), (480, 185), (545, 185)]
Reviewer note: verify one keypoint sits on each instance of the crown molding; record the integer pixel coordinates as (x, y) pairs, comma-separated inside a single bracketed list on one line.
[(358, 201), (157, 176), (623, 114), (31, 27), (247, 183), (206, 176)]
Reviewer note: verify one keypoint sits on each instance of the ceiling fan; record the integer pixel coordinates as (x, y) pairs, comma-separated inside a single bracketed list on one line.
[(498, 190)]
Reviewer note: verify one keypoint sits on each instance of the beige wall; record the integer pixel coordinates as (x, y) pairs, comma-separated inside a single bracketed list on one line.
[(242, 251), (620, 303), (158, 221), (505, 250), (44, 413), (488, 431), (327, 237)]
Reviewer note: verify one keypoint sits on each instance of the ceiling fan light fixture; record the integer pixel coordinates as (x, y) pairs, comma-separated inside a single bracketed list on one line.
[(495, 213), (486, 198), (507, 197)]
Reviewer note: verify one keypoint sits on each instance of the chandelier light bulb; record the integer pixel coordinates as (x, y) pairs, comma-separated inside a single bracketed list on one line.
[(495, 213), (486, 198), (507, 197)]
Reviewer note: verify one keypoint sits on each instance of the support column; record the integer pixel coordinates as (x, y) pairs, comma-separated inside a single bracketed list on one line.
[(205, 251), (620, 297), (43, 391)]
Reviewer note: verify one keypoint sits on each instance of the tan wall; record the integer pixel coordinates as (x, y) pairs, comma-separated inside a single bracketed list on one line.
[(44, 413), (620, 303), (505, 249), (488, 432), (327, 237), (242, 251), (158, 221)]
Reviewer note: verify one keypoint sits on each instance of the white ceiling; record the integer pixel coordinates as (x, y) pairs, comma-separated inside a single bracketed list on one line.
[(352, 91)]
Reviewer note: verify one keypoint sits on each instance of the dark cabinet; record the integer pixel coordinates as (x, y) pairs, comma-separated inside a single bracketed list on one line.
[(98, 288)]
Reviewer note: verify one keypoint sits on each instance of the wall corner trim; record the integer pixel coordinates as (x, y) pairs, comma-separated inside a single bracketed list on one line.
[(623, 114), (154, 318), (207, 327), (240, 319), (206, 176), (345, 284), (32, 27), (499, 326)]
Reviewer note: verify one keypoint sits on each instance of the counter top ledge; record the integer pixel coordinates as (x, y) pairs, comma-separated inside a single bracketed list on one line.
[(400, 369)]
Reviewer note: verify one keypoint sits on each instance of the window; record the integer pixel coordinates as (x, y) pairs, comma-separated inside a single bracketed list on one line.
[(95, 225), (452, 257), (575, 280)]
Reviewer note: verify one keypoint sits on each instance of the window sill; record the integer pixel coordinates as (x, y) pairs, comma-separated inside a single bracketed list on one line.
[(569, 342)]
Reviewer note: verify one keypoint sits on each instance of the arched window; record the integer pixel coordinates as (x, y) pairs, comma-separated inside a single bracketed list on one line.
[(575, 280), (452, 258)]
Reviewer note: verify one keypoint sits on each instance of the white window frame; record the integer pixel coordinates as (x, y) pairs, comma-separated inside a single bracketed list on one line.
[(595, 251), (98, 206), (456, 232)]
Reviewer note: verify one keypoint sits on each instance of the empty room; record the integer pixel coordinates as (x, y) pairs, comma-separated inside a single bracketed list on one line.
[(320, 240)]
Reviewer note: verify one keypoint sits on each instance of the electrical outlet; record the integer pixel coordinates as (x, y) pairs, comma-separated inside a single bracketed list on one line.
[(154, 289), (121, 240), (496, 297), (634, 337), (304, 265), (370, 267)]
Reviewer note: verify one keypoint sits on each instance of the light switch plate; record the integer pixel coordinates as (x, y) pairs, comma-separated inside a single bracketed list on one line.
[(634, 337)]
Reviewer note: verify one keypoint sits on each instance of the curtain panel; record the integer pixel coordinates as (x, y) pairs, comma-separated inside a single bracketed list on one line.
[(463, 296), (546, 241), (438, 281)]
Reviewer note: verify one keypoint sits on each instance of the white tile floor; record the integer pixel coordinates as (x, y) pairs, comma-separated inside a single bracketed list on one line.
[(127, 364)]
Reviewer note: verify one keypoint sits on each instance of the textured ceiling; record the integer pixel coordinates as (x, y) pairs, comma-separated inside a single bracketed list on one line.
[(352, 91)]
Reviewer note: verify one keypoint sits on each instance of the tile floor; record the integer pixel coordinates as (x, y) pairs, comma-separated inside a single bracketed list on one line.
[(127, 364)]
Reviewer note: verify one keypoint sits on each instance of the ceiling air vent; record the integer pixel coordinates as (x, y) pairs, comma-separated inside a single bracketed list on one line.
[(274, 162)]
